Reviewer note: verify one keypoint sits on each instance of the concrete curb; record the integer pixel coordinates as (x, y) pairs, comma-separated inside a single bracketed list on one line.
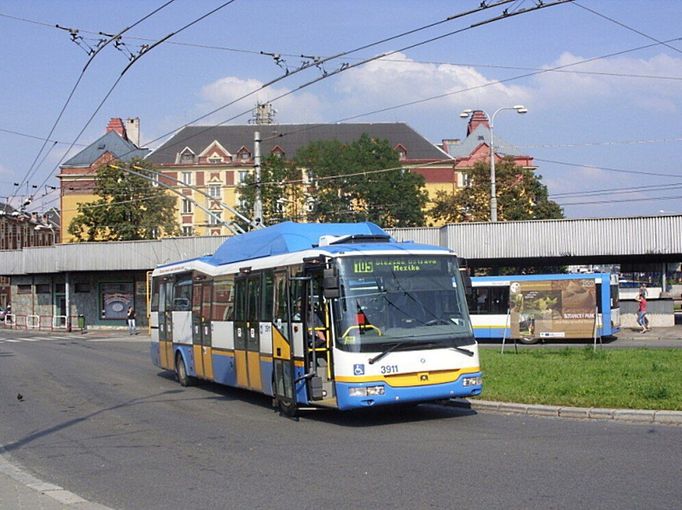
[(580, 413)]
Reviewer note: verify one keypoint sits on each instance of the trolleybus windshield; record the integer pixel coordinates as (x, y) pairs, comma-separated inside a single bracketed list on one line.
[(408, 301)]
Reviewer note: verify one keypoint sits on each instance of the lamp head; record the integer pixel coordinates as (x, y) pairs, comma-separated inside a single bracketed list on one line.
[(465, 113)]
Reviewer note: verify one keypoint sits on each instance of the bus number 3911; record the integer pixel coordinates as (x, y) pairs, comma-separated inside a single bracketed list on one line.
[(389, 369)]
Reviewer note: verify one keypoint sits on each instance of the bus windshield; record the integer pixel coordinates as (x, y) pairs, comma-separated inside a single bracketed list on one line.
[(401, 301)]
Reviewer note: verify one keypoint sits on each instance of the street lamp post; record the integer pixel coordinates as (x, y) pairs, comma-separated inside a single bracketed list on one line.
[(491, 119)]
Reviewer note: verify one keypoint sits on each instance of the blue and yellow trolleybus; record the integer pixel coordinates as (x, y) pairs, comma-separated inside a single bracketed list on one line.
[(319, 315)]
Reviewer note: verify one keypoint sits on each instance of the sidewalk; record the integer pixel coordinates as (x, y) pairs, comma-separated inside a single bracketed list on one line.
[(19, 489), (655, 337)]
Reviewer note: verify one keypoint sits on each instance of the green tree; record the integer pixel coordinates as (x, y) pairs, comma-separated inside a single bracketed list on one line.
[(361, 181), (279, 189), (520, 196), (130, 207)]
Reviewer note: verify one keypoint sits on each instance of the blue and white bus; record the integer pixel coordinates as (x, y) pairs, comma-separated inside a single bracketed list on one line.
[(319, 315), (489, 303)]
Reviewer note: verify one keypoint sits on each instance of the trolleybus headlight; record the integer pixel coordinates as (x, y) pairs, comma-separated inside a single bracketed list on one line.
[(375, 390), (365, 391), (472, 381)]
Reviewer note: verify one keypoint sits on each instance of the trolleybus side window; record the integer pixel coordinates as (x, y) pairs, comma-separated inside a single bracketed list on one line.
[(222, 299), (154, 305), (240, 300), (168, 291), (253, 297), (182, 299), (280, 296), (268, 296)]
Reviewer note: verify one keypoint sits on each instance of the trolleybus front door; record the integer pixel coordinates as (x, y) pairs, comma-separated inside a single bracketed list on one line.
[(318, 339), (201, 329)]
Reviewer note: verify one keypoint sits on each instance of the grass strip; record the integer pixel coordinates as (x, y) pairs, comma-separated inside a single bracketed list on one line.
[(610, 378)]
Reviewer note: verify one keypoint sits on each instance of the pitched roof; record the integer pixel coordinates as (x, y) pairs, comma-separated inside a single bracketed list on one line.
[(110, 142), (291, 137), (480, 135)]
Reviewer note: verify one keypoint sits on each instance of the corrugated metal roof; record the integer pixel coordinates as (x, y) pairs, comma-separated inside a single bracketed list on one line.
[(652, 238)]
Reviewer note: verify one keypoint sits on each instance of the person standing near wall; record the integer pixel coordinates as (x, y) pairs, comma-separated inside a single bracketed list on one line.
[(132, 328), (641, 313)]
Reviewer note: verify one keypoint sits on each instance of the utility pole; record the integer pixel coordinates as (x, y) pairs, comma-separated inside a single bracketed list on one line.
[(258, 202)]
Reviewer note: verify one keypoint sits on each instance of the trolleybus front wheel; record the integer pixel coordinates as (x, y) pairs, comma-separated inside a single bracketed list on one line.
[(181, 371)]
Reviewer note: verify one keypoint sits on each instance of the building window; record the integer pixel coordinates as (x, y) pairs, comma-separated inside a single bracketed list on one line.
[(215, 160), (242, 176), (186, 178), (187, 231), (42, 288), (186, 206), (187, 157), (244, 155), (24, 289), (214, 190), (215, 218)]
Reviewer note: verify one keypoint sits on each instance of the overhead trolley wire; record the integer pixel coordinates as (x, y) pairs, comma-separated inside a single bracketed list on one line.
[(33, 168), (136, 59)]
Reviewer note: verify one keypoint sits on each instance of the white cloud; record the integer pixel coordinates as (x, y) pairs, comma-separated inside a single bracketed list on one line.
[(293, 108), (626, 80), (399, 80)]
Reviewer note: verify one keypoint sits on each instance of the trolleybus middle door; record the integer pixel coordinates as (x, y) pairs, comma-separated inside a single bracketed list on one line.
[(201, 329), (282, 345), (246, 336)]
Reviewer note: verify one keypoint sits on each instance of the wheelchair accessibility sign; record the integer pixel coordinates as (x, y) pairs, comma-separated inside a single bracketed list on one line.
[(359, 369)]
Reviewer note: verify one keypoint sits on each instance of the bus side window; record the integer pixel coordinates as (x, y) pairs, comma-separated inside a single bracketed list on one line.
[(154, 306), (240, 300), (482, 304), (499, 300), (280, 307), (267, 305)]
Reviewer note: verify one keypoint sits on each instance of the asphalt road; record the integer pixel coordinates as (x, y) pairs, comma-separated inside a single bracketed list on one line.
[(99, 420)]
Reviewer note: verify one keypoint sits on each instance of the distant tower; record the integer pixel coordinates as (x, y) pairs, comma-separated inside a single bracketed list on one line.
[(263, 115)]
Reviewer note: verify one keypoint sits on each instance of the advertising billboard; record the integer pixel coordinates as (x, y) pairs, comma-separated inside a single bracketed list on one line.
[(553, 308)]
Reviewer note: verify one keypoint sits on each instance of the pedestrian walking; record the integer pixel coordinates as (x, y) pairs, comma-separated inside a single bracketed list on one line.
[(641, 313), (132, 327)]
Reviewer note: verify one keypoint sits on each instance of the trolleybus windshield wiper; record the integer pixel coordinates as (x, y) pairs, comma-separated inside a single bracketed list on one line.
[(390, 350)]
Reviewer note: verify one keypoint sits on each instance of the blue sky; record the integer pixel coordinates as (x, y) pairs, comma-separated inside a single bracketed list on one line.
[(611, 121)]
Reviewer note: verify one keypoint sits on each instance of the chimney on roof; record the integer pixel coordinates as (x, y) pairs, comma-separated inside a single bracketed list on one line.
[(132, 129), (477, 118), (116, 125)]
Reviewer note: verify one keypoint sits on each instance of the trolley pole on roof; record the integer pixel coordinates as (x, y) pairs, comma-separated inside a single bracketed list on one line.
[(258, 202)]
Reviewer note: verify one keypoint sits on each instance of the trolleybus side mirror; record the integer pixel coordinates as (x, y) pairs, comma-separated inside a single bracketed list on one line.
[(330, 284)]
